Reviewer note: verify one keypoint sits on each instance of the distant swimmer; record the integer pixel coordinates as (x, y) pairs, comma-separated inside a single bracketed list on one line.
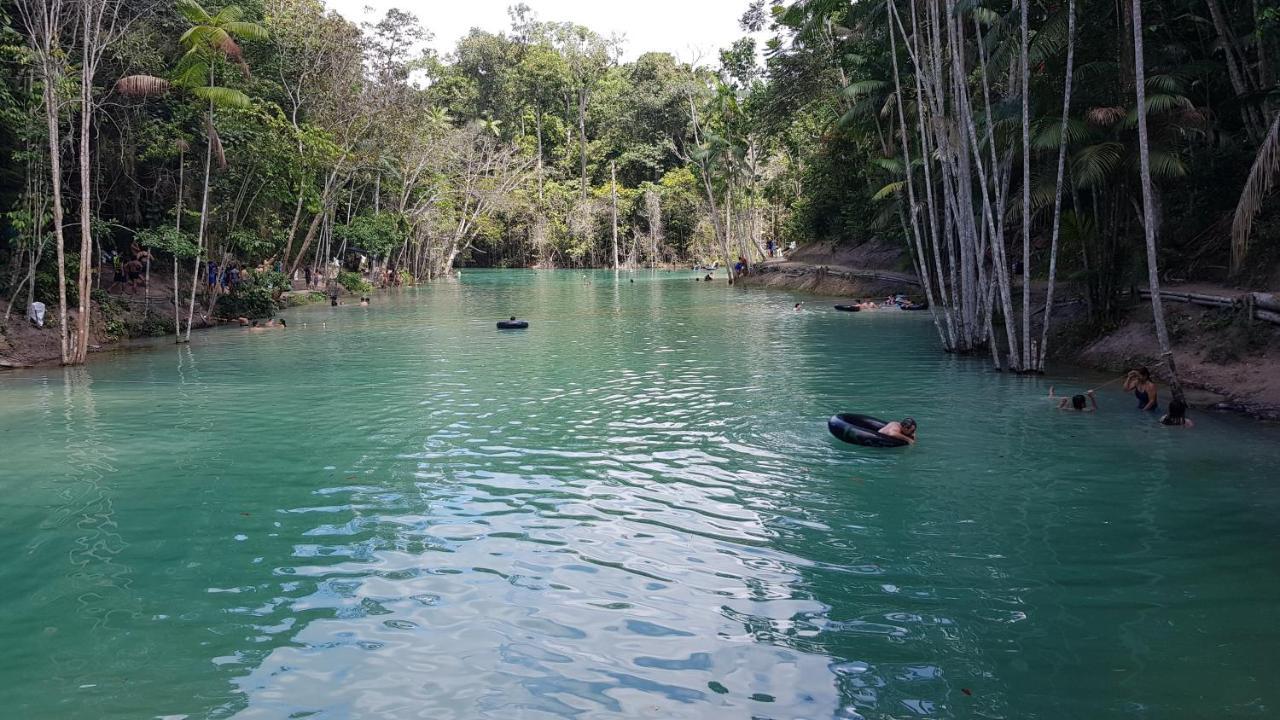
[(798, 305), (1076, 403), (902, 430), (1177, 415), (707, 278)]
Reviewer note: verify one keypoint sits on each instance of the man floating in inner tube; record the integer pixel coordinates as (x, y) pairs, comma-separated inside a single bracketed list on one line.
[(902, 430)]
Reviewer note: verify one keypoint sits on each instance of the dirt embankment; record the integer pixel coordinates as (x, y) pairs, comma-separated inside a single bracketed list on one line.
[(120, 315), (1237, 361), (829, 269), (1227, 360)]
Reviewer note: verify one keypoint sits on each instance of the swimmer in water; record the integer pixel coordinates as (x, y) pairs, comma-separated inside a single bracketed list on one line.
[(1138, 381), (1177, 415), (1076, 403), (902, 430)]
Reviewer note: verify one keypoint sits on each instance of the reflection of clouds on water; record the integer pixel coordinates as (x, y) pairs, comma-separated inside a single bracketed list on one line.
[(643, 587)]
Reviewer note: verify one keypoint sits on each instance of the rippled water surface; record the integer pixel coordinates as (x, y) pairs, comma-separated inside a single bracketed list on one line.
[(632, 510)]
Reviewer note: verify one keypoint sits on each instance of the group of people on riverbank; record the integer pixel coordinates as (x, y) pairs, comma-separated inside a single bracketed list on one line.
[(1137, 381)]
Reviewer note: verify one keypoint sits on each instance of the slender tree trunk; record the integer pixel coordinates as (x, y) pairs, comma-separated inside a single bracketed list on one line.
[(1057, 192), (85, 275), (613, 191), (1026, 187), (55, 177), (921, 261), (1148, 204), (204, 223), (582, 138), (177, 225)]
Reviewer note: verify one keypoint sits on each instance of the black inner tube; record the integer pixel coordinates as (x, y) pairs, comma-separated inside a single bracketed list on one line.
[(513, 324), (861, 430), (848, 308)]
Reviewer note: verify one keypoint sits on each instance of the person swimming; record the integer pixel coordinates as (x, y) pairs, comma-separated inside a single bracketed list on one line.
[(1177, 415), (902, 430), (1077, 403), (1139, 382)]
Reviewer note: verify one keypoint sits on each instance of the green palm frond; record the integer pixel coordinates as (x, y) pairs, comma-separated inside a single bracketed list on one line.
[(893, 165), (193, 13), (1047, 134), (1093, 164), (865, 87), (192, 69), (1167, 83), (1158, 104), (1165, 164), (228, 14), (1261, 181), (223, 97), (889, 190), (203, 36), (246, 30)]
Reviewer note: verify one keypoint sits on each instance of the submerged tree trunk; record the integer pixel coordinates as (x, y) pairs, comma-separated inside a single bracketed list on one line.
[(1148, 205)]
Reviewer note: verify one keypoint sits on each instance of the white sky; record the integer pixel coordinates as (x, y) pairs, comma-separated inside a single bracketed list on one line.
[(688, 29)]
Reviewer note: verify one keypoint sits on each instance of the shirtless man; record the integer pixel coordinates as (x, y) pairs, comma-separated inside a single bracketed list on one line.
[(902, 430)]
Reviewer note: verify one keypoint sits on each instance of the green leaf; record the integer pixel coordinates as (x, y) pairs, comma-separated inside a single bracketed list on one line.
[(246, 30), (865, 87), (889, 190), (893, 165), (228, 14), (1093, 164), (193, 13), (223, 97)]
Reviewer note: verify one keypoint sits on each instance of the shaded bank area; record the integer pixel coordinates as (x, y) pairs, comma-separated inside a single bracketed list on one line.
[(125, 315), (872, 269), (1231, 360)]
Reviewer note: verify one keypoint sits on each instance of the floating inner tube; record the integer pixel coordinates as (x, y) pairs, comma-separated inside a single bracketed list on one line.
[(861, 430), (513, 324), (848, 308), (921, 306)]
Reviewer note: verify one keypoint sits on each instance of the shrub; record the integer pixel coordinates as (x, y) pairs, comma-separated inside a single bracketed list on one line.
[(257, 296), (353, 282)]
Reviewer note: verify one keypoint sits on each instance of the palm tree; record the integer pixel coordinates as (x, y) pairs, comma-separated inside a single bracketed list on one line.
[(1262, 179), (210, 42), (1148, 203), (1057, 191)]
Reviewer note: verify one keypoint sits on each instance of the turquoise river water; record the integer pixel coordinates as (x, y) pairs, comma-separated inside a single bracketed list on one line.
[(632, 510)]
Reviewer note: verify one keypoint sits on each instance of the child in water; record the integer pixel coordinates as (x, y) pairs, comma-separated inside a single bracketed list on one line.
[(1076, 403), (1177, 415)]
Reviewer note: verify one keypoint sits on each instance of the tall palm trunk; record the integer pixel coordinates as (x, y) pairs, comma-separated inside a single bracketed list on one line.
[(582, 139), (177, 225), (80, 350), (1026, 190), (1148, 204), (55, 177), (204, 221), (613, 191), (1057, 192)]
